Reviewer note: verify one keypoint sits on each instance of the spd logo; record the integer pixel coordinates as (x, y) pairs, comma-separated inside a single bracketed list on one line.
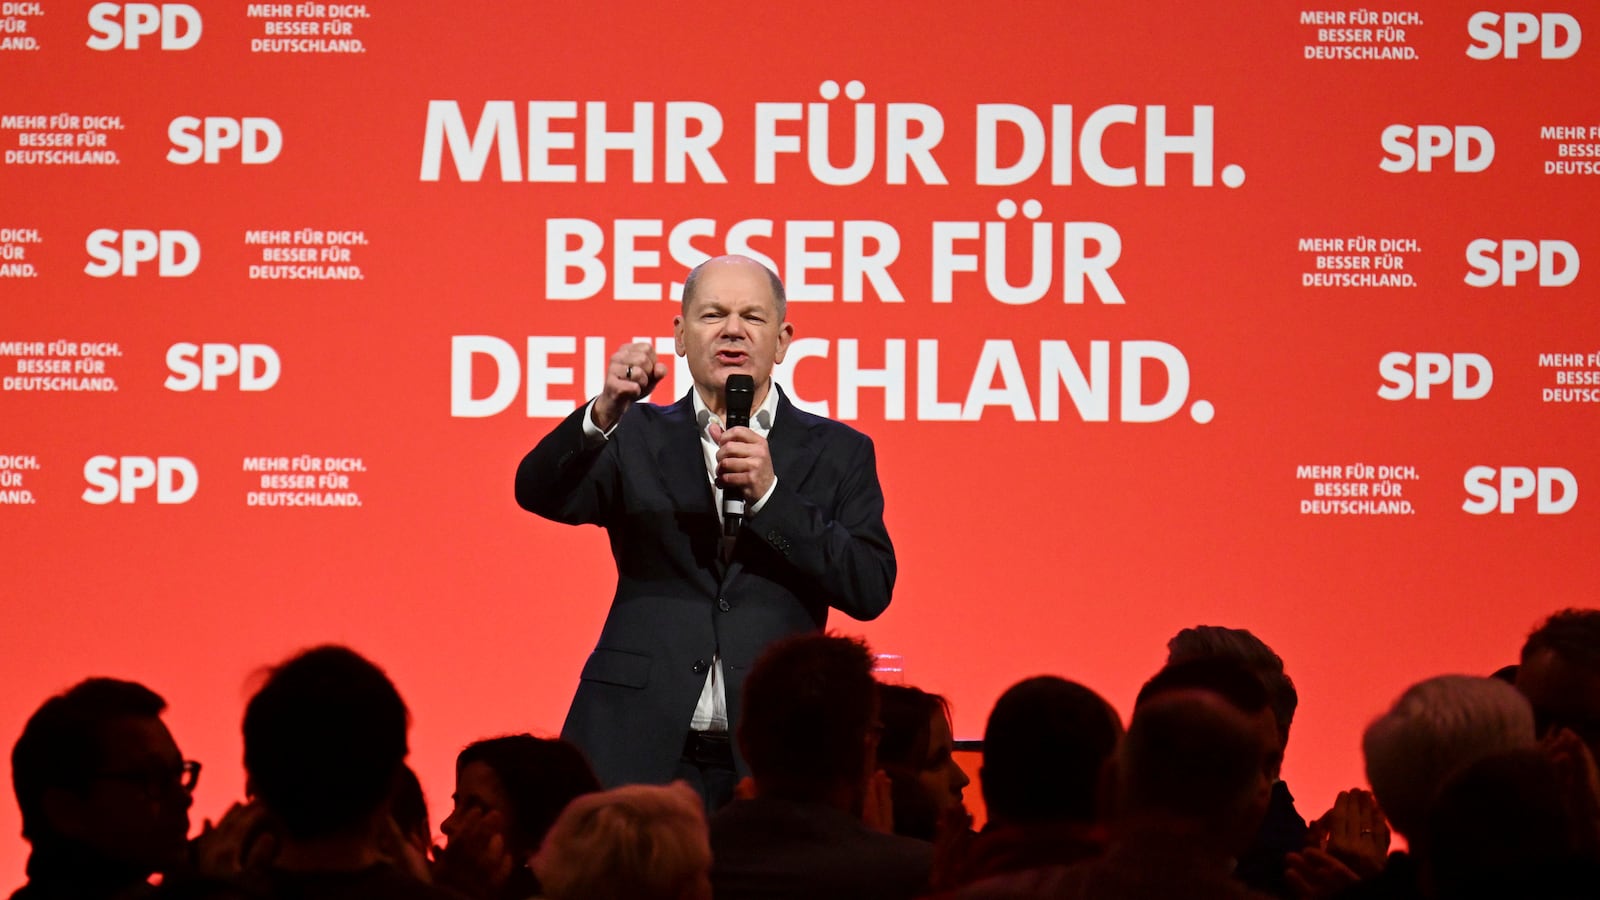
[(123, 25)]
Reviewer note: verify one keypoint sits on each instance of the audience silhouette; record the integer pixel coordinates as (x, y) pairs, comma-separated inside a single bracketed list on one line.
[(855, 792), (104, 793), (324, 754), (638, 842), (917, 752), (809, 731), (1045, 750), (1283, 830), (509, 791)]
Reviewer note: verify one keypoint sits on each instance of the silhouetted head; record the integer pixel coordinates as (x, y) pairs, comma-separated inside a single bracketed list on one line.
[(809, 717), (1044, 748), (1560, 674), (324, 741), (1236, 683), (639, 842), (1437, 728), (1239, 645), (95, 768), (1192, 758), (917, 750), (528, 780)]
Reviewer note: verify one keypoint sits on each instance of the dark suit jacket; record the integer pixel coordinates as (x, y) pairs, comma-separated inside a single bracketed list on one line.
[(818, 542), (773, 849)]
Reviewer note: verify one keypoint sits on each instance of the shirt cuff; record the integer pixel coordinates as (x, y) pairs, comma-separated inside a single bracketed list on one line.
[(756, 506), (592, 434)]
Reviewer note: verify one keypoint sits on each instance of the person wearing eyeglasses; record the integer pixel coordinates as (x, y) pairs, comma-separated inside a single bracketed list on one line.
[(104, 793)]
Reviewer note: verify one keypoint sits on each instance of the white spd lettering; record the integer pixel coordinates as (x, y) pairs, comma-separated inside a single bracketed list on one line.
[(112, 252), (115, 479), (1491, 262), (115, 25), (1497, 489), (1469, 375), (1494, 35), (1407, 148), (194, 139), (203, 366)]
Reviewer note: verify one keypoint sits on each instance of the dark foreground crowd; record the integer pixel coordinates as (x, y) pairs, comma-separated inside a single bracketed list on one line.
[(853, 792)]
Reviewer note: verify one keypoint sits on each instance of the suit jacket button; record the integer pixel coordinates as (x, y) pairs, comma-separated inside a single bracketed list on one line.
[(700, 667), (723, 604)]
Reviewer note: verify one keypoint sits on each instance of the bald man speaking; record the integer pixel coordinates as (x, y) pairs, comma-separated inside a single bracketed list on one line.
[(698, 598)]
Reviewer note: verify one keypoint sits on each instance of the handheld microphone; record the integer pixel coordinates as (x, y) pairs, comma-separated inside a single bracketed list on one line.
[(738, 395)]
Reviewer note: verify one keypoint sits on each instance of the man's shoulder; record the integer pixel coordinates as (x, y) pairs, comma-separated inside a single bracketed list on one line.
[(791, 415), (747, 818), (378, 882), (682, 406), (775, 848), (652, 418)]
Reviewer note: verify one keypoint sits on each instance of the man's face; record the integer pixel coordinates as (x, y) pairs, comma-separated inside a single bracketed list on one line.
[(134, 807), (731, 325)]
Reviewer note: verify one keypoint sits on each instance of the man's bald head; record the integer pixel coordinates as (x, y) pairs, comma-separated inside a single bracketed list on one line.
[(779, 296)]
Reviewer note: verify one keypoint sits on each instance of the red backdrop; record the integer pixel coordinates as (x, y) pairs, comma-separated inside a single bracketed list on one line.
[(1336, 437)]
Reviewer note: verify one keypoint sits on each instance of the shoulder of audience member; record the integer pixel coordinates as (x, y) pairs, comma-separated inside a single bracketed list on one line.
[(1039, 881)]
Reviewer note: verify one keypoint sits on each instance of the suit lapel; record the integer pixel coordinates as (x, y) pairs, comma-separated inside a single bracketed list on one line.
[(793, 455), (681, 463)]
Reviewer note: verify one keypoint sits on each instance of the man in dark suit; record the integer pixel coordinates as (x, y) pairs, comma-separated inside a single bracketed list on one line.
[(693, 609)]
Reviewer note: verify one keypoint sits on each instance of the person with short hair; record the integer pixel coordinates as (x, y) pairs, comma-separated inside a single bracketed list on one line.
[(324, 750), (1559, 673), (1234, 682), (1045, 748), (1436, 729), (640, 842), (809, 731), (104, 793), (1189, 791), (1283, 829)]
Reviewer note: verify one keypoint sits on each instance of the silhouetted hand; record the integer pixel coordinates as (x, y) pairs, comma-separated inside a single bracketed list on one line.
[(1355, 833), (224, 849)]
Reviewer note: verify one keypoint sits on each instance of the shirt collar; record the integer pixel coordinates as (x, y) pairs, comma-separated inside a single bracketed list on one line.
[(760, 419)]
